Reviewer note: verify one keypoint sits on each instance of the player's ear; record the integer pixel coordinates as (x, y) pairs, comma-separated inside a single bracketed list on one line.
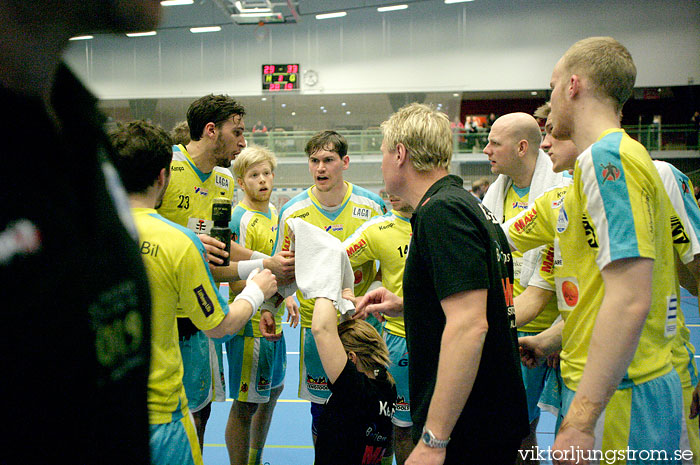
[(400, 154), (210, 130), (574, 85)]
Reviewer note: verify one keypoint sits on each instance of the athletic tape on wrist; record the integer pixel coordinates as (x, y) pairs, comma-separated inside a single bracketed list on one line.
[(246, 267), (254, 295), (258, 256)]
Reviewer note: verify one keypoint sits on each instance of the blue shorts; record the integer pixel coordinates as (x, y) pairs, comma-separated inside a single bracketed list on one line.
[(683, 356), (398, 353), (313, 382), (255, 367), (175, 442), (550, 400), (534, 381), (197, 376), (644, 417)]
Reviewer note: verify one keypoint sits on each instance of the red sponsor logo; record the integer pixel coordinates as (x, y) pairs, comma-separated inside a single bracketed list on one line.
[(527, 218), (355, 247), (548, 261)]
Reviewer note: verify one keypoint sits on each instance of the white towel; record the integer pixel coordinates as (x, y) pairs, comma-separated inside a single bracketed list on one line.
[(542, 179), (321, 265)]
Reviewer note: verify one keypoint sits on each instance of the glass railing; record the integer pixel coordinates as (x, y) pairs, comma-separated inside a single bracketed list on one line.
[(368, 141)]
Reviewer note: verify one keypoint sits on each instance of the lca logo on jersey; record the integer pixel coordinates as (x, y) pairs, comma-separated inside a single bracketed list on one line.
[(610, 172), (361, 213), (221, 181)]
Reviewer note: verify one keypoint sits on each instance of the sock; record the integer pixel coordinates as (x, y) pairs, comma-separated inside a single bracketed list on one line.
[(254, 456)]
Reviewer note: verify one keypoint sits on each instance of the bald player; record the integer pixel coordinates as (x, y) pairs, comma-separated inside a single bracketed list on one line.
[(524, 172)]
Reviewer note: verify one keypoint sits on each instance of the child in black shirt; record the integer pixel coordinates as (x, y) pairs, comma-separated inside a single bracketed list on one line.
[(355, 427)]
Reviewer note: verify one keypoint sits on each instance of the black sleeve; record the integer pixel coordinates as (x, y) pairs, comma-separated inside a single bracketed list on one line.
[(452, 245)]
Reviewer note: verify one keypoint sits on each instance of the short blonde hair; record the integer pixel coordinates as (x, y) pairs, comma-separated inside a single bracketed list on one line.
[(543, 111), (606, 63), (360, 337), (251, 155), (424, 131), (180, 133)]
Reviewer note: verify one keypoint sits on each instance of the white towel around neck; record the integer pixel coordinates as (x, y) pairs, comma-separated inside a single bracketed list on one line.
[(542, 179)]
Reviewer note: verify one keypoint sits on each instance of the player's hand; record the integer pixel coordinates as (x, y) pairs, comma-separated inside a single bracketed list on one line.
[(267, 283), (424, 455), (531, 353), (553, 360), (572, 446), (292, 311), (379, 302), (695, 404), (216, 250), (268, 328), (282, 266), (348, 294)]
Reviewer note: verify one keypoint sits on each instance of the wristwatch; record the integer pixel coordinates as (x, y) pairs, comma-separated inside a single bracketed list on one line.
[(431, 441)]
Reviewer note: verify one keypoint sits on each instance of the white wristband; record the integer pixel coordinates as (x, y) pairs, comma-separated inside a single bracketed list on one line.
[(253, 294), (246, 267), (258, 256)]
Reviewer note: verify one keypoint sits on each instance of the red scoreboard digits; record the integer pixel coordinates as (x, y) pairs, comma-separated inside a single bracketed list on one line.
[(280, 78)]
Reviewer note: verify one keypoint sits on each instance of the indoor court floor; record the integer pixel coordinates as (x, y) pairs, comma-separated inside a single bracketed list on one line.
[(289, 439)]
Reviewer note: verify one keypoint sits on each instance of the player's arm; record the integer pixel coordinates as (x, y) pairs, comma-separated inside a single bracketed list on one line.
[(281, 264), (460, 352), (540, 289), (261, 286), (533, 227), (614, 341), (533, 349), (689, 274), (324, 327), (530, 303)]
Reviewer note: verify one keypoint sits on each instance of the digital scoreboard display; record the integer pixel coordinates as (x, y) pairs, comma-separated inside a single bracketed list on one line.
[(280, 78)]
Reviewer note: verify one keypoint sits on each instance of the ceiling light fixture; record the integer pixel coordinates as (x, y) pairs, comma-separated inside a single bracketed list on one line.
[(176, 2), (81, 38), (384, 9), (141, 34), (457, 1), (242, 9), (257, 15), (337, 14), (199, 30)]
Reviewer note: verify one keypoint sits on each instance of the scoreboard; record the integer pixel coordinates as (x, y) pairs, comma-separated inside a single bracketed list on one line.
[(280, 78)]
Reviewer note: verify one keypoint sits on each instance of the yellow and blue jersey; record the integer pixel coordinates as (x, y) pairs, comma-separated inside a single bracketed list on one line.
[(358, 205), (179, 277), (189, 197), (516, 201), (256, 231), (384, 238), (616, 208)]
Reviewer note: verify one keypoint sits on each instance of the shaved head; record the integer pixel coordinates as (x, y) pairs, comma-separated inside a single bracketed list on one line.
[(521, 126)]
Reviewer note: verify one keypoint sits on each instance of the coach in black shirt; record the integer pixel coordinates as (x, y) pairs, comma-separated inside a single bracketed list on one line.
[(465, 382)]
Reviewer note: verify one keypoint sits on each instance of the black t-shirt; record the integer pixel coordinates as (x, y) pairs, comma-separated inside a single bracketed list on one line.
[(74, 293), (355, 427), (455, 248)]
